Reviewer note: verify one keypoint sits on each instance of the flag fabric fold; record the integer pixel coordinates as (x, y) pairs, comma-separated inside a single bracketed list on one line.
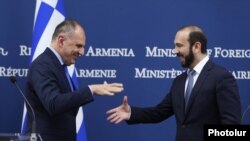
[(48, 14)]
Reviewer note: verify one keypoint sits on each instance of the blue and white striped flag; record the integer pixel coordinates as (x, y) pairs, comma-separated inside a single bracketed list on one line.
[(48, 14)]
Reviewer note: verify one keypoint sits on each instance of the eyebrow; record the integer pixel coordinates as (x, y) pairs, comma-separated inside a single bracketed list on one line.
[(178, 44)]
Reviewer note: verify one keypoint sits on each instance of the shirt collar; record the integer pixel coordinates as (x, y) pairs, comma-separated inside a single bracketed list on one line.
[(200, 65)]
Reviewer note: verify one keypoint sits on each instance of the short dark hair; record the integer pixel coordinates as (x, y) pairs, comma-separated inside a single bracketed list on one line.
[(196, 36)]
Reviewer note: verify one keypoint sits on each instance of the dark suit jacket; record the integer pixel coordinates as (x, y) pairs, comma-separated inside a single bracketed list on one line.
[(50, 95), (214, 100)]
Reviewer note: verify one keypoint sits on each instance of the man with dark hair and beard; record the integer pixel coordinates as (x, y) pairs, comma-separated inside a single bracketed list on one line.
[(205, 94)]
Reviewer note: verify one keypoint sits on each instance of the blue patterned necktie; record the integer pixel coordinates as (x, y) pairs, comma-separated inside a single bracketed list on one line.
[(68, 77), (190, 84)]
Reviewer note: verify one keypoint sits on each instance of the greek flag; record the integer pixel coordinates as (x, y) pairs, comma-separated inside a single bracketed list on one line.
[(48, 14)]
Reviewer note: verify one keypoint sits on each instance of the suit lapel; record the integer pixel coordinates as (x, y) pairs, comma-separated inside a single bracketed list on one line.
[(181, 91), (58, 68), (198, 84)]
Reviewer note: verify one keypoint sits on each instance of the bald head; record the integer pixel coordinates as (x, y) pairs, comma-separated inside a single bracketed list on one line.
[(191, 28), (67, 28), (69, 40)]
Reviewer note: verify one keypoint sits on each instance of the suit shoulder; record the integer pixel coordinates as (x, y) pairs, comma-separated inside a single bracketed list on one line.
[(221, 72), (220, 68), (40, 60)]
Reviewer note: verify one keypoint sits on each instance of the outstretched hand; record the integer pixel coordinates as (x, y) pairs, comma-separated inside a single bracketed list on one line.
[(107, 89), (119, 113)]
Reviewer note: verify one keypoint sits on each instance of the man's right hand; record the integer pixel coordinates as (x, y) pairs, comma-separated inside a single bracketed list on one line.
[(106, 89)]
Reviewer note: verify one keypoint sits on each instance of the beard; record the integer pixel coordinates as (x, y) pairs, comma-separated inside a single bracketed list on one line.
[(188, 60)]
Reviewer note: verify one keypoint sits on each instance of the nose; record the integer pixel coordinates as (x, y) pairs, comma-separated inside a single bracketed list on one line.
[(175, 51)]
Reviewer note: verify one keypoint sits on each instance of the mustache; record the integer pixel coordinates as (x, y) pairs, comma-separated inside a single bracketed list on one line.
[(178, 55)]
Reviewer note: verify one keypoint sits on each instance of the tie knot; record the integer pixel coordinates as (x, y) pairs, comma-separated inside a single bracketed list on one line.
[(64, 65), (191, 72), (65, 69)]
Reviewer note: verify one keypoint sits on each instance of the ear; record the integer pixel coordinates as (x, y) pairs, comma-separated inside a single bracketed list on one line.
[(197, 47), (60, 40)]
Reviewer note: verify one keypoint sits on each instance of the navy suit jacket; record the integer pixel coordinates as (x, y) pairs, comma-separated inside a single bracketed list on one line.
[(55, 106), (214, 100)]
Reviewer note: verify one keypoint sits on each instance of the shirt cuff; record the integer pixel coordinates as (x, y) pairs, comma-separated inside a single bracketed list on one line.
[(90, 89), (129, 112)]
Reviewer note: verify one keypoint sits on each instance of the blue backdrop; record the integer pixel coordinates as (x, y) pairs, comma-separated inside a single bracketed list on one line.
[(128, 39)]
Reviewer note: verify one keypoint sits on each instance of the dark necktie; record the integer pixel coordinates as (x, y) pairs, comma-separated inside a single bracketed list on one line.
[(190, 84), (68, 77)]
